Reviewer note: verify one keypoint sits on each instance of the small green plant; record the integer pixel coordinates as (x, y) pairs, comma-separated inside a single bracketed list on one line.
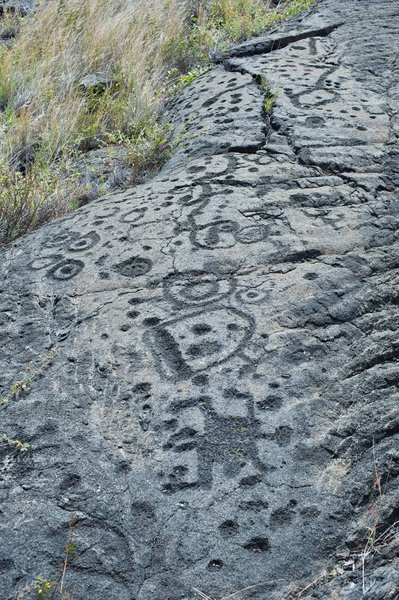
[(377, 534), (71, 552), (43, 587), (32, 372), (16, 443), (183, 80), (17, 388), (271, 92), (269, 101), (151, 146)]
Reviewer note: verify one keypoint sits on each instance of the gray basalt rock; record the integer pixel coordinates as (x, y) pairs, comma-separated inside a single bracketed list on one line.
[(206, 366), (97, 82)]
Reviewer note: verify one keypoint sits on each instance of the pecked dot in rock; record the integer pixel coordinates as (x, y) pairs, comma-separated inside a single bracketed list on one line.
[(274, 384), (269, 403), (134, 301), (201, 328), (151, 321), (6, 565), (215, 565), (282, 516), (250, 480), (201, 350), (200, 380), (70, 481), (135, 266), (132, 314), (143, 514), (253, 505), (257, 545), (282, 435), (314, 122), (142, 388), (228, 528)]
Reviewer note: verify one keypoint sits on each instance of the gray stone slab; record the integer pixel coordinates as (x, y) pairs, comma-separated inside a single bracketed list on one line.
[(210, 359)]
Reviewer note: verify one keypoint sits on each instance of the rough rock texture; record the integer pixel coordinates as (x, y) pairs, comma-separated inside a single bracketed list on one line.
[(221, 409)]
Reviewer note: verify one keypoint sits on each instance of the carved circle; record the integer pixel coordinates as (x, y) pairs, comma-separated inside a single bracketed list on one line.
[(252, 234), (84, 243), (65, 270), (196, 289)]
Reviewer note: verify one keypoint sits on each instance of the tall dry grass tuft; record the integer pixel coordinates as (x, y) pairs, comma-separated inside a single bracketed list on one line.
[(44, 106)]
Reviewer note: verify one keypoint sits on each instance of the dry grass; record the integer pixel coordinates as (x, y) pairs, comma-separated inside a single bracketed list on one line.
[(140, 49), (65, 41)]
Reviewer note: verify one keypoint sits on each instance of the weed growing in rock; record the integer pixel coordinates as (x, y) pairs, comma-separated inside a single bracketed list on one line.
[(271, 93), (16, 443), (33, 371), (178, 80)]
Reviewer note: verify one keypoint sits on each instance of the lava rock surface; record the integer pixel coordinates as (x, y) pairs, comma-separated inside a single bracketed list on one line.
[(208, 362)]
